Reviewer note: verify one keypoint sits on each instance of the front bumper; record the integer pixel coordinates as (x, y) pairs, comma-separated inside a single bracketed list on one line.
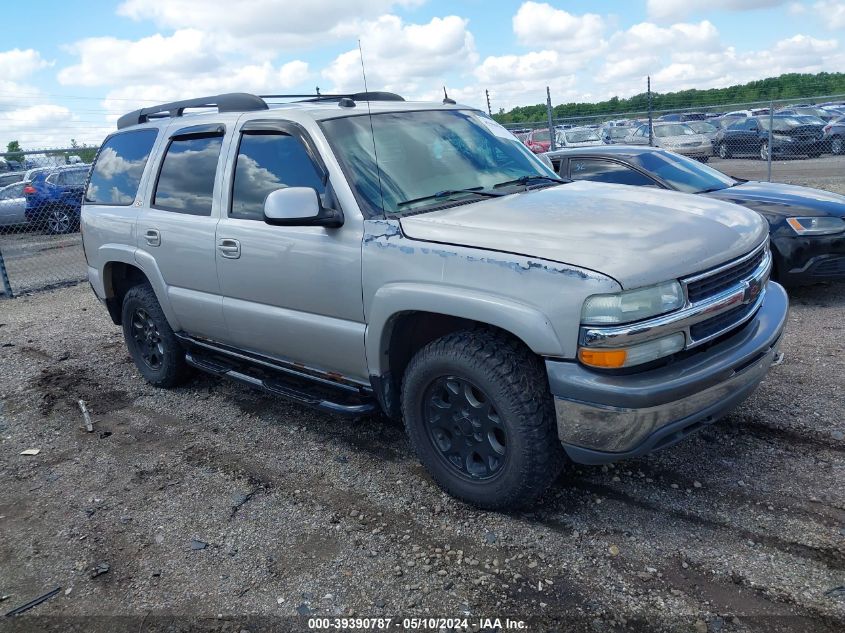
[(603, 418), (806, 260)]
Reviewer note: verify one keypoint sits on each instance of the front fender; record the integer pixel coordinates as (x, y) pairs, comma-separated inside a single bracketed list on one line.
[(394, 299)]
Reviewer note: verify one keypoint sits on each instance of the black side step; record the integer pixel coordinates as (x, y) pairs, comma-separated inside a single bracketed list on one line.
[(361, 403)]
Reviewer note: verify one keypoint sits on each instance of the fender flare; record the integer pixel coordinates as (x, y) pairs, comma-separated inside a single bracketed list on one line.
[(523, 321)]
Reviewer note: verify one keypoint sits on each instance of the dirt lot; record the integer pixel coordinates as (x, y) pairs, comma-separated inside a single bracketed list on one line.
[(219, 508)]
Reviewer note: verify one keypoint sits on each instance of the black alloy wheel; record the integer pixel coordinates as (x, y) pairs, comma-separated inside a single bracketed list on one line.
[(464, 427), (147, 339)]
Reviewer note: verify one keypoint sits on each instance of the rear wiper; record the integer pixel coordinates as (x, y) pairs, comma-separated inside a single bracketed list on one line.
[(448, 193), (528, 180)]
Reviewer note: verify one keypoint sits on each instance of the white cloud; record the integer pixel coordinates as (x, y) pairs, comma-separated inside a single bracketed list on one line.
[(541, 25), (259, 23), (19, 64), (405, 58), (831, 13), (676, 9), (45, 126)]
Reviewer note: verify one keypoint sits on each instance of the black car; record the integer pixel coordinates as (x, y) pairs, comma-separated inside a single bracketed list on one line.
[(807, 226), (750, 137)]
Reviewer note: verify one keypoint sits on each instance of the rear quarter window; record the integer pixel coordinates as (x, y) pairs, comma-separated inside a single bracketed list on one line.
[(116, 174)]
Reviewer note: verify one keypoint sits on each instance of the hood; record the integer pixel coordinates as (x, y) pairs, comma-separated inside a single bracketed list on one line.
[(637, 235), (687, 140), (785, 200)]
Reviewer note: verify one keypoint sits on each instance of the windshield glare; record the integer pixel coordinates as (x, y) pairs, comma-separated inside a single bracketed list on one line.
[(683, 174), (423, 153), (662, 131), (701, 127), (580, 136)]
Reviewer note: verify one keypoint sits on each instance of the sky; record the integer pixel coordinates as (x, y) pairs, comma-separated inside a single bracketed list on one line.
[(74, 67)]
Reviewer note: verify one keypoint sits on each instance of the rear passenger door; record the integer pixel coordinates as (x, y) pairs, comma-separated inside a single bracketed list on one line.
[(176, 231), (289, 292)]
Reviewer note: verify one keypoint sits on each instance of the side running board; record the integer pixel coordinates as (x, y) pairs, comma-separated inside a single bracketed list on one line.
[(302, 389)]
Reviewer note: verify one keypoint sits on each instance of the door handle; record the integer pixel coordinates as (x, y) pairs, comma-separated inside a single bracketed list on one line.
[(152, 237), (229, 248)]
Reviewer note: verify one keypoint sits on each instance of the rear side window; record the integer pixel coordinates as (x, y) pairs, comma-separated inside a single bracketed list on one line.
[(73, 178), (186, 180), (267, 162), (606, 171), (120, 163)]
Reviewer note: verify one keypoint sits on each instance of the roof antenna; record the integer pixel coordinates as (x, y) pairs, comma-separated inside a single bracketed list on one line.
[(318, 91), (446, 99), (372, 130)]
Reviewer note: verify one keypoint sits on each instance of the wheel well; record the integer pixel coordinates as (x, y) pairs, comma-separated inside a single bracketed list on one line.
[(409, 333), (119, 278)]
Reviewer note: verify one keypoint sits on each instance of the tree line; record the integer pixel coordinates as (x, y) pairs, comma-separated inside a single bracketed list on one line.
[(788, 86)]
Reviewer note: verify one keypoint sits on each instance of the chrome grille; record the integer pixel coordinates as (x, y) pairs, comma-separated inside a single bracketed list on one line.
[(707, 285), (716, 325)]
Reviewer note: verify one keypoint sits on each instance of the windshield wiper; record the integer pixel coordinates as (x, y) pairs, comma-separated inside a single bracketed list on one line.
[(448, 193), (528, 180)]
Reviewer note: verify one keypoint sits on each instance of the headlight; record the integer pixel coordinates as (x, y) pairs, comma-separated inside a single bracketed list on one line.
[(632, 355), (632, 305), (816, 226)]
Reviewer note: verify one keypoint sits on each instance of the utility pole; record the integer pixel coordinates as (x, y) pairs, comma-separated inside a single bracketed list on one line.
[(489, 111), (771, 125), (650, 128), (552, 144)]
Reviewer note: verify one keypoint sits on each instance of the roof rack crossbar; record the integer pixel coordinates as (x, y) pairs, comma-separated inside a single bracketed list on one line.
[(355, 96), (230, 102)]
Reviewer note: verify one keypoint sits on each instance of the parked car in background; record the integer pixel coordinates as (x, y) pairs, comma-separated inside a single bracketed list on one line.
[(539, 141), (750, 137), (834, 136), (821, 113), (11, 178), (677, 137), (54, 198), (12, 205), (807, 226), (704, 127), (747, 113), (615, 134), (578, 137)]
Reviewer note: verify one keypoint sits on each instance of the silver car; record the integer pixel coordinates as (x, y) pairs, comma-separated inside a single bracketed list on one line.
[(12, 205), (578, 137), (676, 137), (515, 320)]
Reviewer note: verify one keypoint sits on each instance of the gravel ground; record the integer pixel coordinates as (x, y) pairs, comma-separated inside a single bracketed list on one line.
[(212, 507)]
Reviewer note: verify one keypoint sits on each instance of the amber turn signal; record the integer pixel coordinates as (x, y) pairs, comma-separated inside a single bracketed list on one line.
[(605, 358)]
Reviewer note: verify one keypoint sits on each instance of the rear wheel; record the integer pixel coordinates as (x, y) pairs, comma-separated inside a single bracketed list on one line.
[(764, 150), (150, 340), (480, 417), (836, 145), (724, 152), (60, 221)]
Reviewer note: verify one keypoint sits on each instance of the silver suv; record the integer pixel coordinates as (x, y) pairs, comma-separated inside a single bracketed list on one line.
[(360, 253)]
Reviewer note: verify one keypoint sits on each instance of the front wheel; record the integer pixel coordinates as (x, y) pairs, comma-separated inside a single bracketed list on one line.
[(150, 340), (724, 152), (836, 145), (479, 415)]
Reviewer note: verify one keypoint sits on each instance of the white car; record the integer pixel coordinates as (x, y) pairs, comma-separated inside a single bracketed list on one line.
[(578, 137)]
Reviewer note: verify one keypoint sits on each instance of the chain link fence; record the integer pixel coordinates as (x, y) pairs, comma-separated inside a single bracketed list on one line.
[(799, 140), (40, 200)]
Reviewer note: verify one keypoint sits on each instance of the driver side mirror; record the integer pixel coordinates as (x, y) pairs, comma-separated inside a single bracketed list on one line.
[(299, 206)]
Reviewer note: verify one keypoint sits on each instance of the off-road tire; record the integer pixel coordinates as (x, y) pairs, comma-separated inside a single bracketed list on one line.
[(171, 369), (515, 382)]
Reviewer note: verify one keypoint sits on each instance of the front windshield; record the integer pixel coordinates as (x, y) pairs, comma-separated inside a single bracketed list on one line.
[(701, 127), (682, 173), (424, 153), (618, 132), (581, 136), (662, 131), (780, 123)]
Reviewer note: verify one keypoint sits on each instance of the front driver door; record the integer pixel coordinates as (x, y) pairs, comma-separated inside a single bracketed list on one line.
[(289, 292)]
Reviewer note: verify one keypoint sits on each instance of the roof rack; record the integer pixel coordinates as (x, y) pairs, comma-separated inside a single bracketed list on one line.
[(231, 102), (239, 102)]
